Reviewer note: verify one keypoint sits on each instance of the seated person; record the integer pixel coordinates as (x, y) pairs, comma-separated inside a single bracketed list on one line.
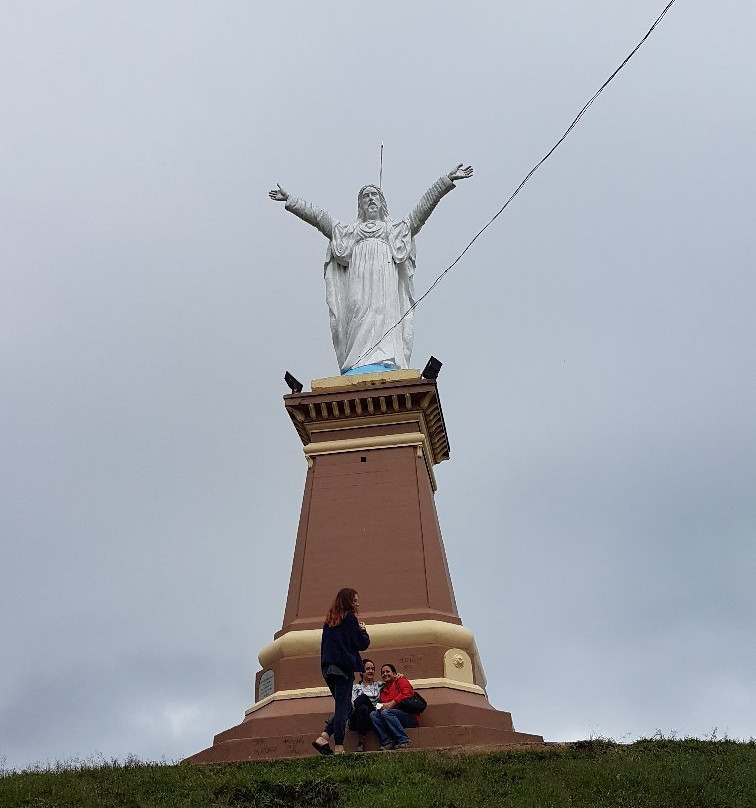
[(364, 698), (388, 720)]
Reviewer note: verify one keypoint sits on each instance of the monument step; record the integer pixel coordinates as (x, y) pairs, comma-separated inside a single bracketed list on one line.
[(439, 715), (300, 745)]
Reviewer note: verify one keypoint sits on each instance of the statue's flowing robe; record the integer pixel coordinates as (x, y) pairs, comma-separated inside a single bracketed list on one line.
[(369, 271)]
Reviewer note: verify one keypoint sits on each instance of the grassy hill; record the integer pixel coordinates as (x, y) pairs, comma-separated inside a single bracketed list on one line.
[(647, 774)]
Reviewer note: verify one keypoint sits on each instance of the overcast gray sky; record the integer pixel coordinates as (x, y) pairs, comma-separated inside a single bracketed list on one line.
[(599, 507)]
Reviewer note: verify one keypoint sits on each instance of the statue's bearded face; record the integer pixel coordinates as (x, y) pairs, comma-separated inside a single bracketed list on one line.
[(371, 201)]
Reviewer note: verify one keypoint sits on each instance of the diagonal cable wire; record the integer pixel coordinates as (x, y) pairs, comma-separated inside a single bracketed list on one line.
[(522, 184)]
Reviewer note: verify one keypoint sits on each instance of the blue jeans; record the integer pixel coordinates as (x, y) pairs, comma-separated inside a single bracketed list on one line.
[(341, 690), (390, 724)]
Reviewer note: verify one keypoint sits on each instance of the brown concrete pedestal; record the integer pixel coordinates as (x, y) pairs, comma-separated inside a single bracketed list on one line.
[(369, 521)]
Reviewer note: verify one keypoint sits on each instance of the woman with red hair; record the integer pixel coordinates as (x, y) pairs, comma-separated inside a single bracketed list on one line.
[(344, 636)]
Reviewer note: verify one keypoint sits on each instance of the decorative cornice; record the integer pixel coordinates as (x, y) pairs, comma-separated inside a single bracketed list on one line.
[(368, 403), (382, 635)]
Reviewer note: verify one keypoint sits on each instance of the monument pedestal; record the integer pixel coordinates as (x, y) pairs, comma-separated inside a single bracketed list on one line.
[(369, 522)]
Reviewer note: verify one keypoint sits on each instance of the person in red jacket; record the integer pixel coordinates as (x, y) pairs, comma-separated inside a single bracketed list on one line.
[(389, 720)]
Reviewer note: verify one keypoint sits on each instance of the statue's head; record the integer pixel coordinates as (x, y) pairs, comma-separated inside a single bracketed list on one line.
[(371, 203)]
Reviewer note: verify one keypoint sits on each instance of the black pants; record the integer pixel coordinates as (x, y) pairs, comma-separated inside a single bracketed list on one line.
[(341, 690), (360, 718)]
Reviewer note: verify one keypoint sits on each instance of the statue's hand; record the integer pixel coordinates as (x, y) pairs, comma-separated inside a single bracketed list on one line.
[(278, 194), (460, 173)]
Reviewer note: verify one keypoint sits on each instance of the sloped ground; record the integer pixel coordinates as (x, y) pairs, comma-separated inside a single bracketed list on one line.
[(653, 773)]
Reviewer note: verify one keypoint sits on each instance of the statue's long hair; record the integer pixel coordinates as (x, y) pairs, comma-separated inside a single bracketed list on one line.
[(384, 206)]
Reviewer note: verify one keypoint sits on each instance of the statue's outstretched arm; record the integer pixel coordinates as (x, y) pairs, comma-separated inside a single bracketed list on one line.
[(427, 204), (318, 218)]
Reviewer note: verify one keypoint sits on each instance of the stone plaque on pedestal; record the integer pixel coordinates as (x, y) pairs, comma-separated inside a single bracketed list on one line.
[(267, 686)]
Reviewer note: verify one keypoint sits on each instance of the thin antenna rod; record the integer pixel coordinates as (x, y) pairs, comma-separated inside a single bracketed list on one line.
[(380, 175)]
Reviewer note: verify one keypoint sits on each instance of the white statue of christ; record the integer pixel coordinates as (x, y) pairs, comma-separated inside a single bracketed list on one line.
[(369, 269)]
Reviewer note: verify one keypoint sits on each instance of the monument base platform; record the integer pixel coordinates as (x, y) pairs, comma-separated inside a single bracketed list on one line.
[(371, 442), (286, 728)]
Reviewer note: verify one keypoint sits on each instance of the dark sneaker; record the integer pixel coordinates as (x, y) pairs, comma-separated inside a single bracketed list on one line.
[(404, 744), (385, 747), (322, 748)]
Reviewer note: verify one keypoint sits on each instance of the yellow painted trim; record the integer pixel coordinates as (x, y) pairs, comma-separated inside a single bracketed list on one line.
[(382, 635), (363, 380), (319, 692), (360, 444), (302, 693), (407, 418), (442, 681)]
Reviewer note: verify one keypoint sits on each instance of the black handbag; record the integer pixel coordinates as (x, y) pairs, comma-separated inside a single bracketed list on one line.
[(415, 704)]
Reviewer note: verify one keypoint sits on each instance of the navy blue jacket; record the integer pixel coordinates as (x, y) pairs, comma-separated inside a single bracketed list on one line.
[(340, 645)]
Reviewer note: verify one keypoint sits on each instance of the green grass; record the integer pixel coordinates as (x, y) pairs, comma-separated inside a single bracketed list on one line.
[(653, 773)]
